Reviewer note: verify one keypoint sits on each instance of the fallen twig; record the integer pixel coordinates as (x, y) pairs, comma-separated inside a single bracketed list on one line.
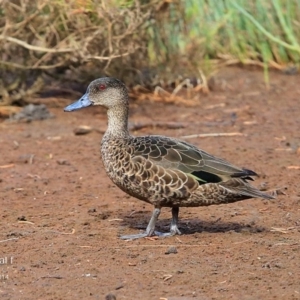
[(11, 239), (286, 244), (31, 159), (212, 135), (73, 231), (150, 245), (283, 149), (179, 240), (54, 276), (167, 277), (26, 222), (282, 230), (213, 106), (165, 125), (293, 167), (33, 176), (7, 166)]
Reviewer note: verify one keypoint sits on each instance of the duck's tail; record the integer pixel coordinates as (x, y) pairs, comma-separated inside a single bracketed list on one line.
[(232, 190), (242, 188)]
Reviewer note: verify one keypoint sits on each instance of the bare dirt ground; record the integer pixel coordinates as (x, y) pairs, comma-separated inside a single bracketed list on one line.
[(61, 217)]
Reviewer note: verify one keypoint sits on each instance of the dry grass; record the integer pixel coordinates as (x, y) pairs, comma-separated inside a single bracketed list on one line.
[(171, 44), (68, 40)]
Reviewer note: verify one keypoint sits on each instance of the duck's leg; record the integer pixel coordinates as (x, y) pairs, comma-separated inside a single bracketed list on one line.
[(174, 224), (150, 230)]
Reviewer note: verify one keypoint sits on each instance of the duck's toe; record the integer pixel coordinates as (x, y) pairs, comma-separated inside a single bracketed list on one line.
[(159, 234), (174, 229), (130, 237)]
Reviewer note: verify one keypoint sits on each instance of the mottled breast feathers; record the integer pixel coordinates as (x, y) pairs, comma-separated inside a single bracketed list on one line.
[(175, 155)]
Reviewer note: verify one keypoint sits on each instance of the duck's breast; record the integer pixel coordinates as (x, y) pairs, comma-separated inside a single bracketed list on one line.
[(122, 169)]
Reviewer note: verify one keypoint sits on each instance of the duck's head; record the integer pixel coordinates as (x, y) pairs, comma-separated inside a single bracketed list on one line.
[(107, 91)]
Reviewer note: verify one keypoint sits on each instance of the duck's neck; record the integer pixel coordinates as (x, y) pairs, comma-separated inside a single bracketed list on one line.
[(118, 121)]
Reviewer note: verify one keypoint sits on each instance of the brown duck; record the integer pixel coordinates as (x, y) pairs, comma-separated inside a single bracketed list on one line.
[(162, 171)]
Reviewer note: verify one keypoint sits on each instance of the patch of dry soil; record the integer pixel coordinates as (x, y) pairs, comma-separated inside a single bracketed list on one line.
[(61, 216)]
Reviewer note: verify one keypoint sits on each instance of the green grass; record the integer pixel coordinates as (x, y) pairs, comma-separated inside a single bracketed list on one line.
[(262, 32)]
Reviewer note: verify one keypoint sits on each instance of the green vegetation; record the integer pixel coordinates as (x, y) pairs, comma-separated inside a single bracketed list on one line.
[(264, 33), (77, 40)]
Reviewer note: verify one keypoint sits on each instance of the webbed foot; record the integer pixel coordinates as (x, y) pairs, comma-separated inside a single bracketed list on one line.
[(150, 231)]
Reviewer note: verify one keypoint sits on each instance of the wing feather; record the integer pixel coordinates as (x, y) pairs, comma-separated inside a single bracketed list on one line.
[(176, 155)]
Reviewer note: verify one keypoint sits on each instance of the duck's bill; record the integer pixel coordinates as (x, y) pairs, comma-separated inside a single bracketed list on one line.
[(84, 101)]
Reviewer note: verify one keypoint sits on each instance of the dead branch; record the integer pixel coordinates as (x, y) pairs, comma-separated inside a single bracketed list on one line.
[(212, 135), (164, 125), (31, 47), (50, 35)]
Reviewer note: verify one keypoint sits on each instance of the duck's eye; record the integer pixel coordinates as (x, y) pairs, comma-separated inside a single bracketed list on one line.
[(102, 87)]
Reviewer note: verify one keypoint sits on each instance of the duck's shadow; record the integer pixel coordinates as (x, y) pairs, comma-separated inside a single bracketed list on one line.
[(139, 220)]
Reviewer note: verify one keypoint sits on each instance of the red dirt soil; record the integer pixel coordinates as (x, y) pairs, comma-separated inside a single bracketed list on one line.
[(61, 217)]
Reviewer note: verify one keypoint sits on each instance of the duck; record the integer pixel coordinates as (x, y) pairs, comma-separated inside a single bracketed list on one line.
[(160, 170)]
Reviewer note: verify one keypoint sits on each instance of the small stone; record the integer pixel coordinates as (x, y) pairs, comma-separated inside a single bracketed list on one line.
[(32, 112), (25, 158), (110, 296), (278, 265), (22, 218), (63, 162), (93, 233), (83, 129), (171, 250), (103, 216)]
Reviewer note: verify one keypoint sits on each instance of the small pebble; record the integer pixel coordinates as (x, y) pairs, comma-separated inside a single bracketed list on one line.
[(110, 296), (25, 158), (83, 129), (32, 112), (171, 250), (63, 162), (22, 218)]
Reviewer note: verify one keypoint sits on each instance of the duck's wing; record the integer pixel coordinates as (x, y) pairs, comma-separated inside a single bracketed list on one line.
[(174, 154)]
